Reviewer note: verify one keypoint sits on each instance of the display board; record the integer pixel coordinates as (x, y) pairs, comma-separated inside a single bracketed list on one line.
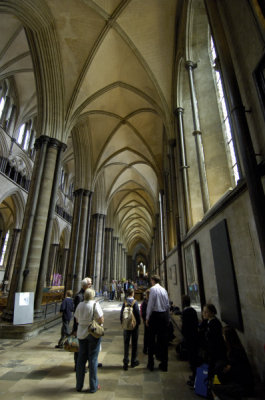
[(225, 276), (24, 308)]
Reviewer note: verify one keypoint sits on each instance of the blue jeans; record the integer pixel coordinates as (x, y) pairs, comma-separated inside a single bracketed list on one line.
[(88, 350)]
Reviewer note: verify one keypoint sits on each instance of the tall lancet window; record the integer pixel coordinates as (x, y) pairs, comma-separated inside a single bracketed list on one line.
[(221, 99)]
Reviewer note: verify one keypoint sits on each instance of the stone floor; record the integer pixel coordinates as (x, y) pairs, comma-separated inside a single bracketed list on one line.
[(34, 369)]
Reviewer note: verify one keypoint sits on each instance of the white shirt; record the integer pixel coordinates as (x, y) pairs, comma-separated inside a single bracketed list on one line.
[(84, 315), (158, 300)]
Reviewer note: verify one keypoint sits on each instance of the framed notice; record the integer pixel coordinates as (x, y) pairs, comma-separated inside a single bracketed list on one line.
[(225, 276), (24, 308), (194, 279)]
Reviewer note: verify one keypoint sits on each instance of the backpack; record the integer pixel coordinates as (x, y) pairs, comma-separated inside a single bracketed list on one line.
[(128, 318)]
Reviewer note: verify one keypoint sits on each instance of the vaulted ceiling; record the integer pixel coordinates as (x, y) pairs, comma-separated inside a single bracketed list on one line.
[(117, 63)]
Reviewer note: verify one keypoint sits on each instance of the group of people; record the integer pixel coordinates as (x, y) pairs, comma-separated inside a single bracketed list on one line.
[(116, 289), (155, 316), (85, 309), (205, 341), (229, 371)]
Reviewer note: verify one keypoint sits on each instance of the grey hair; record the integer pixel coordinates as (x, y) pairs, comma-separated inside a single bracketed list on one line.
[(89, 294), (84, 283)]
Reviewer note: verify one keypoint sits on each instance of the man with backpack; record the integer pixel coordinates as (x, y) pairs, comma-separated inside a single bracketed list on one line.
[(130, 320)]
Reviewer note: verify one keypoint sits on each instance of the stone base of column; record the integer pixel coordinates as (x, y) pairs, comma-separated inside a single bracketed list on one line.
[(27, 331), (7, 316)]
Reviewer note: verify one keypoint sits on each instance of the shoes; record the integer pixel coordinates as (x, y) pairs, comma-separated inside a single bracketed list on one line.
[(94, 391), (58, 346), (125, 367), (150, 367), (79, 390), (162, 367), (100, 365), (135, 364)]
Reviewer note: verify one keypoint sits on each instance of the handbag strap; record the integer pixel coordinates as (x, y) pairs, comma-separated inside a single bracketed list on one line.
[(94, 306)]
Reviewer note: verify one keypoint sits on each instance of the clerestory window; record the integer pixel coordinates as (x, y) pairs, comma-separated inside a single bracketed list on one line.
[(223, 111)]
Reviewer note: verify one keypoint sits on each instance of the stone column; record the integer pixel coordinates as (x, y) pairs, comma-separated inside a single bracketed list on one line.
[(184, 167), (81, 245), (238, 115), (97, 243), (87, 238), (34, 223), (115, 251), (51, 268), (11, 256), (119, 261), (190, 66), (56, 149), (108, 254), (64, 264), (129, 267), (77, 240), (177, 214)]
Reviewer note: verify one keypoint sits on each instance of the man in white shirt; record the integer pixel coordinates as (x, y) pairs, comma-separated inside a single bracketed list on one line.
[(157, 319)]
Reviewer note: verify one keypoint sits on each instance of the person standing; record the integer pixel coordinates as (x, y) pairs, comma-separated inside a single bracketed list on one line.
[(190, 334), (128, 334), (112, 290), (79, 297), (67, 308), (157, 319), (143, 315), (89, 346)]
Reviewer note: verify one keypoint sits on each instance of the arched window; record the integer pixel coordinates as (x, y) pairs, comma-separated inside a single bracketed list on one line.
[(223, 111), (2, 257), (2, 103), (21, 134)]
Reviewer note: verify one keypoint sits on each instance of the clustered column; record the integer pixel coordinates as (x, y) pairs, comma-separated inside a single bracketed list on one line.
[(38, 208), (198, 138)]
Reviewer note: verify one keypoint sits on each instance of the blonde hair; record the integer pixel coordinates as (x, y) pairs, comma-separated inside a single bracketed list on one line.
[(89, 294)]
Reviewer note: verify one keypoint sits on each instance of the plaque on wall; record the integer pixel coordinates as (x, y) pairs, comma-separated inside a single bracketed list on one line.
[(194, 279), (225, 276)]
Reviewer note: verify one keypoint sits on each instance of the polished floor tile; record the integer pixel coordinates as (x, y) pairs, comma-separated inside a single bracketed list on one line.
[(35, 370)]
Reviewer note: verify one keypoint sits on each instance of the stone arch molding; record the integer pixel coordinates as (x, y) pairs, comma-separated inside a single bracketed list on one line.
[(19, 204), (38, 22), (3, 145)]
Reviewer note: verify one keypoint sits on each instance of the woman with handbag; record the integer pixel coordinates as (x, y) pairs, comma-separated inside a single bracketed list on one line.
[(89, 345)]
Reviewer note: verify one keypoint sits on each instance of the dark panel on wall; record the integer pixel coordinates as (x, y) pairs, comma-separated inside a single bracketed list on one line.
[(225, 276)]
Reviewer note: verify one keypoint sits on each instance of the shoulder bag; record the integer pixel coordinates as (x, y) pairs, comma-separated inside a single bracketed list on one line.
[(94, 328)]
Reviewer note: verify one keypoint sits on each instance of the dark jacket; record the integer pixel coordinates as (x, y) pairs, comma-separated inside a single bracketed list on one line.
[(215, 344), (67, 308), (136, 311), (79, 297), (190, 324)]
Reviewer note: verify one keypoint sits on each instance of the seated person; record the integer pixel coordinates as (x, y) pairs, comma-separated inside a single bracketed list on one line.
[(235, 376)]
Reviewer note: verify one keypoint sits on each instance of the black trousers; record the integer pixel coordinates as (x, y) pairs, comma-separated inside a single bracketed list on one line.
[(127, 335), (158, 337)]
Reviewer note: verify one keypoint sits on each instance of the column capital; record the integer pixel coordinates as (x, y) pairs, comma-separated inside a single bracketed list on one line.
[(196, 133), (190, 65), (78, 192), (98, 215), (50, 141), (179, 110)]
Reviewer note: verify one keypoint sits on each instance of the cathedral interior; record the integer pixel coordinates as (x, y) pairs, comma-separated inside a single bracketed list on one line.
[(132, 143)]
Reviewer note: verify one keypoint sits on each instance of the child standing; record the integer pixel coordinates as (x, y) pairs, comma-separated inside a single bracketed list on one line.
[(67, 308), (132, 333)]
